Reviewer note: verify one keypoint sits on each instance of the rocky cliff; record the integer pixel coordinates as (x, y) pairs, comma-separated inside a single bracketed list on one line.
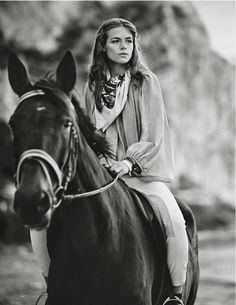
[(198, 87), (197, 84)]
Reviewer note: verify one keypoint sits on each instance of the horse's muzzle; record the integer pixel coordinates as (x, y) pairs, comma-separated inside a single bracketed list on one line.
[(34, 209)]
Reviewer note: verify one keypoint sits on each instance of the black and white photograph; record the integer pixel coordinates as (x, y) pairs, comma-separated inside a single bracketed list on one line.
[(117, 152)]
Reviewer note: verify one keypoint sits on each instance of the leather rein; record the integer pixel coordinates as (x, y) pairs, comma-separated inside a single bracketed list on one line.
[(45, 160)]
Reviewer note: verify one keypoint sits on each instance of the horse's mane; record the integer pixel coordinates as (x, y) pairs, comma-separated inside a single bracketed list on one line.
[(94, 139)]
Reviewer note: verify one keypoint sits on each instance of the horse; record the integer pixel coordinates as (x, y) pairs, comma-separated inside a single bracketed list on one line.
[(103, 249)]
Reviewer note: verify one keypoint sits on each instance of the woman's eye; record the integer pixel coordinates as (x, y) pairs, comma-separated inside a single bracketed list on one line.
[(115, 41), (67, 124)]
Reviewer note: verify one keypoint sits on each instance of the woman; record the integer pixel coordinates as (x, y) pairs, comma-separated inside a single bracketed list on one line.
[(123, 98)]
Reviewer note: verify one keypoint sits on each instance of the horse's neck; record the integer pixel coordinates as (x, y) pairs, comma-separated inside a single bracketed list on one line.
[(96, 216), (91, 175)]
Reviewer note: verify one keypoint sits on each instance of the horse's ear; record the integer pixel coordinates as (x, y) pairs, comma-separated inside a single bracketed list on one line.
[(66, 72), (17, 74)]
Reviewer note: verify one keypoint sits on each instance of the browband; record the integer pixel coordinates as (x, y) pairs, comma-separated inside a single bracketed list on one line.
[(30, 94)]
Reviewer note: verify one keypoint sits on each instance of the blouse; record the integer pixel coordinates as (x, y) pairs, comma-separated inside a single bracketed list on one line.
[(141, 131)]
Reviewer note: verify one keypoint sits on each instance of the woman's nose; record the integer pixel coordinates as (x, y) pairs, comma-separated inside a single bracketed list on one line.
[(122, 46)]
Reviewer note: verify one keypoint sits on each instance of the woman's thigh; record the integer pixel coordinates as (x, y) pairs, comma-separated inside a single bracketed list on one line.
[(160, 194)]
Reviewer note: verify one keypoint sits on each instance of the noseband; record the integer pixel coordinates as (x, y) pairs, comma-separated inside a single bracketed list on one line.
[(42, 158)]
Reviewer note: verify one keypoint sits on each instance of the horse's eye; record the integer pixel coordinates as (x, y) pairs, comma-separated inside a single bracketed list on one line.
[(67, 124)]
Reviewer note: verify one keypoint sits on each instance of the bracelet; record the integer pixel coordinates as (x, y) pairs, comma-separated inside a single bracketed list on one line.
[(129, 164), (136, 169)]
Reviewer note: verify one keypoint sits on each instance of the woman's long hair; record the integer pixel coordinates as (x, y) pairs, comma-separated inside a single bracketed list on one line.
[(99, 66)]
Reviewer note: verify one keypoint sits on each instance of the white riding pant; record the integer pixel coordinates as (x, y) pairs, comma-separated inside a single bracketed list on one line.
[(39, 245), (174, 224)]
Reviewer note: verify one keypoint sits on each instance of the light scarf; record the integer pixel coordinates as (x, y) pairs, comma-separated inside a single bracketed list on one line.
[(105, 118)]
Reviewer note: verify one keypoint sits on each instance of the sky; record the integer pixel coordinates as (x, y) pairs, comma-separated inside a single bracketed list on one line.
[(219, 19)]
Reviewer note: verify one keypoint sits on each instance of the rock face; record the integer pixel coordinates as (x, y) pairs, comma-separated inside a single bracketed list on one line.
[(198, 88), (197, 84)]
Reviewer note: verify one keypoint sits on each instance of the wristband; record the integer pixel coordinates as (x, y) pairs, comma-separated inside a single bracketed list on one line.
[(136, 169), (129, 164)]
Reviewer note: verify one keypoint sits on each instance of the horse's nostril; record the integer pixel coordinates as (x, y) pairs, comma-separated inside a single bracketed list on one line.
[(43, 203), (38, 202)]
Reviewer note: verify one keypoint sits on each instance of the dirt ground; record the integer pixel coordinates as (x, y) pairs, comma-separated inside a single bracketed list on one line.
[(21, 282)]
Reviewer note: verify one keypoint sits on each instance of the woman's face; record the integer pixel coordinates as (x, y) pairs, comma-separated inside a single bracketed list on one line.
[(119, 45)]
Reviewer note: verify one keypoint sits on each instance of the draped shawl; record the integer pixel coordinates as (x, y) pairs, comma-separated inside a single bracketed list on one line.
[(141, 130)]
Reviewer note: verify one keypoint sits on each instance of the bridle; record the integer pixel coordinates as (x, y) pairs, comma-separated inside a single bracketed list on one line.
[(45, 160)]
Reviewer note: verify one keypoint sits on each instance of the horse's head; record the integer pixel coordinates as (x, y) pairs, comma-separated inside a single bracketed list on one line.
[(43, 127)]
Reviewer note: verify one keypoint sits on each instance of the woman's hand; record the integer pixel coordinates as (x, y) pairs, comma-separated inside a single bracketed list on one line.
[(115, 167), (118, 167)]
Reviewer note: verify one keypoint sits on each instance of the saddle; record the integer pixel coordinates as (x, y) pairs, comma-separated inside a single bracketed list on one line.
[(151, 214)]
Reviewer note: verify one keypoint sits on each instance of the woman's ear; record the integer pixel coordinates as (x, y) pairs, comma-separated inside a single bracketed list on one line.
[(66, 72), (17, 75)]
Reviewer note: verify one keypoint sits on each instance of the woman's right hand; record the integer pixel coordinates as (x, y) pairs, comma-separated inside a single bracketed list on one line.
[(115, 167)]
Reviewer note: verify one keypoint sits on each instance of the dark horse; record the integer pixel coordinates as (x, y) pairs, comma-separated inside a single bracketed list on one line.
[(103, 251)]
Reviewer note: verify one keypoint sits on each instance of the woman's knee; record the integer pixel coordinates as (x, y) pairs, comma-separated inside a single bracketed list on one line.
[(179, 226)]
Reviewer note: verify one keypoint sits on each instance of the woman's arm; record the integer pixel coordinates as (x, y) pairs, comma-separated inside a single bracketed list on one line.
[(152, 152)]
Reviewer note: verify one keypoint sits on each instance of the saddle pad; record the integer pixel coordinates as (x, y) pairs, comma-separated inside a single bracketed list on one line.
[(149, 210), (151, 213)]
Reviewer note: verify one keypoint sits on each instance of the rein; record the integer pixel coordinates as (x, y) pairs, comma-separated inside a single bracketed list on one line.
[(90, 193), (42, 157)]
